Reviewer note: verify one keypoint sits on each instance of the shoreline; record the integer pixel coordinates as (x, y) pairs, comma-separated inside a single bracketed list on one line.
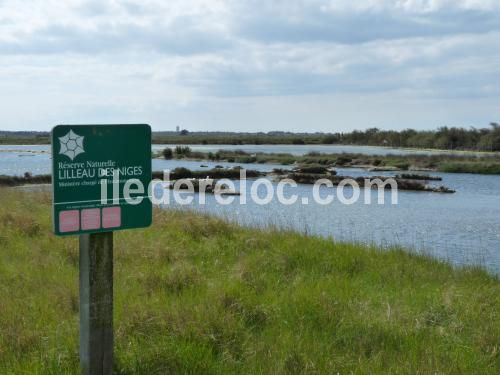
[(414, 150), (33, 190)]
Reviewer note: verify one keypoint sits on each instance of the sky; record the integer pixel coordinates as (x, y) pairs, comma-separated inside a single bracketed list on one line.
[(254, 65)]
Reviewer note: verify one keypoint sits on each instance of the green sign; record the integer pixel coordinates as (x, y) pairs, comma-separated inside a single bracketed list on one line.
[(100, 178)]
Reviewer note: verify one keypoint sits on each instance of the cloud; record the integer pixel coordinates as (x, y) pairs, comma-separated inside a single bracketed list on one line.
[(105, 59), (434, 67), (100, 27), (180, 38), (360, 22)]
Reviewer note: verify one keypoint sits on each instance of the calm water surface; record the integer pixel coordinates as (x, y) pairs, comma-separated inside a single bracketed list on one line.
[(462, 228), (304, 149)]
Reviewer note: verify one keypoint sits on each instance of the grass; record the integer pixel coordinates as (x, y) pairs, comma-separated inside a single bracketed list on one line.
[(452, 163), (470, 167), (198, 295)]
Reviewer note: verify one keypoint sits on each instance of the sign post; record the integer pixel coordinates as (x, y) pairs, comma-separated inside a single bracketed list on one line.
[(100, 180), (96, 303)]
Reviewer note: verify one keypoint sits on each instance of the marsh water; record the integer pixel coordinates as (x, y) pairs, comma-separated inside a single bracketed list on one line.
[(462, 228)]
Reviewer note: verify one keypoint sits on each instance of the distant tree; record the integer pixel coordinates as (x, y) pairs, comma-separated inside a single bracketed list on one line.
[(372, 131), (490, 140), (461, 138), (330, 138), (441, 142)]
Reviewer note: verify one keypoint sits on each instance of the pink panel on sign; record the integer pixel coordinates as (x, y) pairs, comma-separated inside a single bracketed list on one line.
[(91, 219), (69, 221), (111, 217)]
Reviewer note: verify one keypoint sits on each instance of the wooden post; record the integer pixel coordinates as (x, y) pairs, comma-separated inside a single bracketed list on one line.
[(96, 303)]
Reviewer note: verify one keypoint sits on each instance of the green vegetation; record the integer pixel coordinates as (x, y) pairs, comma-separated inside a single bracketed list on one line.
[(228, 173), (233, 138), (182, 151), (470, 167), (23, 138), (444, 138), (26, 179), (167, 153), (463, 163), (177, 173), (199, 295)]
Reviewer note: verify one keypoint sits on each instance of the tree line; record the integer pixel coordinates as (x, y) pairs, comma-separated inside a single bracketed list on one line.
[(447, 138)]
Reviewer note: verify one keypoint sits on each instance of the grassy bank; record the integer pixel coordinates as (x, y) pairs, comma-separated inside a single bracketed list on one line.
[(470, 167), (197, 295)]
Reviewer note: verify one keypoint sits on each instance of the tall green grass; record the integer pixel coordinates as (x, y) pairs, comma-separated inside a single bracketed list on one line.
[(198, 295), (465, 167)]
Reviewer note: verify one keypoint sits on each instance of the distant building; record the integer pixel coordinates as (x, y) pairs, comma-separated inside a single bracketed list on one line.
[(177, 129)]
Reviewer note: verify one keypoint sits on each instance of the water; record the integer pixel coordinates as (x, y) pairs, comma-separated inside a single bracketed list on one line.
[(462, 228), (281, 149), (16, 160), (325, 149)]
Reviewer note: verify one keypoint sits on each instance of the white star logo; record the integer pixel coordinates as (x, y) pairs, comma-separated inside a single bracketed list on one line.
[(71, 145)]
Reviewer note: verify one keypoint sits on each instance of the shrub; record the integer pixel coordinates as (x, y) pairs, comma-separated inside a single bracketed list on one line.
[(182, 150), (168, 153), (343, 160), (329, 139), (181, 172), (312, 168)]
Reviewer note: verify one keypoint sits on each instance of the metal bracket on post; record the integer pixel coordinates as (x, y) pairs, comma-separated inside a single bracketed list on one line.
[(96, 303)]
